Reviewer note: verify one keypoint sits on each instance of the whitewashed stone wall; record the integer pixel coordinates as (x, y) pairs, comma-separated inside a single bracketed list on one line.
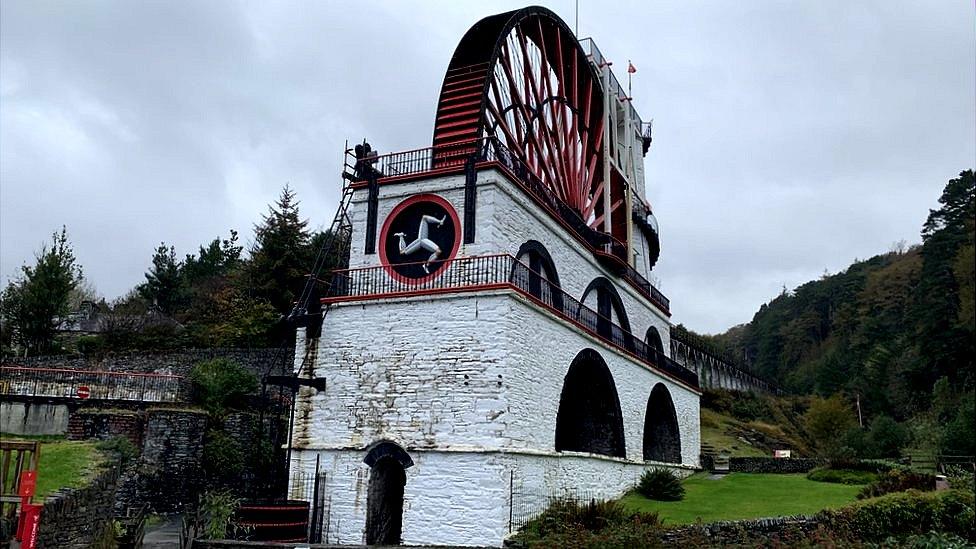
[(469, 385), (463, 498), (506, 218)]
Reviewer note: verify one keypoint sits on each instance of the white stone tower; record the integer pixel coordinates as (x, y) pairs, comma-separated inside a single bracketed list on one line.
[(495, 341)]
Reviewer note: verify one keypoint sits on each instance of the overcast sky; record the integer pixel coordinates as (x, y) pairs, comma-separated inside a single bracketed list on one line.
[(790, 137)]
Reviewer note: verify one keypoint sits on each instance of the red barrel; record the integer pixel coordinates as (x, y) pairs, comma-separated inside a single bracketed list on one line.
[(283, 521)]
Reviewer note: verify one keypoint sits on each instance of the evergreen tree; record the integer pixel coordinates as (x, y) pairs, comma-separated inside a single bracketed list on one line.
[(34, 304), (280, 256), (164, 287)]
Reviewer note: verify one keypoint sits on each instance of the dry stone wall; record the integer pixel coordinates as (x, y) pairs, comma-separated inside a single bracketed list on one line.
[(79, 518)]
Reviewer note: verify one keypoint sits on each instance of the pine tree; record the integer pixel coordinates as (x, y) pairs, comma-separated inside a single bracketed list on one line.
[(34, 304), (164, 287), (280, 258)]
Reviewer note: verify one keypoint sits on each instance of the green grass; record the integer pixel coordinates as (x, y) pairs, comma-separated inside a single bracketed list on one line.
[(65, 464), (743, 496)]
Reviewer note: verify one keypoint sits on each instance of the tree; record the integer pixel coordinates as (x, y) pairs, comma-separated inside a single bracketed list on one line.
[(827, 422), (279, 257), (886, 437), (164, 284), (38, 301)]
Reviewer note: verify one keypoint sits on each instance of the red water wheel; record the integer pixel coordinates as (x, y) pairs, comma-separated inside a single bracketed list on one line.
[(523, 79)]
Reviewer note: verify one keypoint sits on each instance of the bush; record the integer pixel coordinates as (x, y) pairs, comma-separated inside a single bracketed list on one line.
[(827, 421), (898, 480), (661, 484), (121, 446), (901, 514), (223, 458), (842, 476), (221, 384), (886, 438), (567, 523), (931, 540)]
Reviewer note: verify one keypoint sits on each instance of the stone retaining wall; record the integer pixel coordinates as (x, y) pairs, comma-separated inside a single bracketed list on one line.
[(167, 474), (88, 424), (80, 517), (164, 362), (777, 532), (773, 465)]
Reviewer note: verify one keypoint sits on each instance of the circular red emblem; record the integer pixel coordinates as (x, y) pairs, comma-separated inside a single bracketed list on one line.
[(419, 238), (84, 391)]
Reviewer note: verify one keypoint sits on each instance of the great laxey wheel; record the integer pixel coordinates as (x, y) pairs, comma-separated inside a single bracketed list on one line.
[(523, 80)]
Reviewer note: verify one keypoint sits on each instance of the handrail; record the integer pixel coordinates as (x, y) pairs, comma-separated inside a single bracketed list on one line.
[(91, 384), (429, 159), (503, 271)]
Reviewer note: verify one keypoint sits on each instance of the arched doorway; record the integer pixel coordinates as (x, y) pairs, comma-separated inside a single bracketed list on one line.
[(662, 441), (384, 500), (589, 417)]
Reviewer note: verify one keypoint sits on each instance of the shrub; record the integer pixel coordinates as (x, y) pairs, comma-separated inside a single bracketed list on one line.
[(827, 421), (842, 476), (566, 523), (898, 480), (931, 540), (661, 484), (217, 509), (903, 514), (220, 384), (121, 446), (960, 478), (886, 437), (223, 458)]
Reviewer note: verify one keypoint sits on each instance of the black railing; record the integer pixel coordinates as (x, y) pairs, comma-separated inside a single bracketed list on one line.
[(90, 384), (502, 271), (425, 160)]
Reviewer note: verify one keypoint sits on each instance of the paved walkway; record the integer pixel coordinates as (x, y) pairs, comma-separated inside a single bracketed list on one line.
[(163, 536)]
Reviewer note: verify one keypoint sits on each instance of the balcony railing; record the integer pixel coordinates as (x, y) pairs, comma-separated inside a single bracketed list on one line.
[(502, 272), (90, 384), (431, 159)]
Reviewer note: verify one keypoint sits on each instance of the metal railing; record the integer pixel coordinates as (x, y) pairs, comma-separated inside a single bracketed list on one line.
[(428, 159), (502, 272), (90, 384)]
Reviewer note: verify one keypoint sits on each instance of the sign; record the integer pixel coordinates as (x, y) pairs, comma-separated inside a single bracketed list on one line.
[(782, 453), (28, 483), (419, 238), (31, 517), (84, 391)]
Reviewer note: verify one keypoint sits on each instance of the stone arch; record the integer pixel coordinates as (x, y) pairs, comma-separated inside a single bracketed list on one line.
[(541, 279), (388, 463), (589, 417), (653, 340), (610, 308), (662, 440)]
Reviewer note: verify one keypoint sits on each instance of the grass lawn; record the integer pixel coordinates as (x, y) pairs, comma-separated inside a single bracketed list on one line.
[(63, 463), (745, 495)]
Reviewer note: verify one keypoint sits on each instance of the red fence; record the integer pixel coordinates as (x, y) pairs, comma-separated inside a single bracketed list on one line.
[(90, 384)]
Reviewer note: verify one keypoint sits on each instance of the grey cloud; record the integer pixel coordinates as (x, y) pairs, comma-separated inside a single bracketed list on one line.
[(790, 138)]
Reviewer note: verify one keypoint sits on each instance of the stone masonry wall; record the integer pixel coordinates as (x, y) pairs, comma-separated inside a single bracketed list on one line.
[(164, 362), (78, 518), (773, 465), (166, 476), (87, 424)]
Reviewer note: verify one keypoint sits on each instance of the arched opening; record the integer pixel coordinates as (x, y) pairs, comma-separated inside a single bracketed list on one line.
[(540, 279), (602, 295), (656, 345), (589, 417), (384, 499), (662, 441)]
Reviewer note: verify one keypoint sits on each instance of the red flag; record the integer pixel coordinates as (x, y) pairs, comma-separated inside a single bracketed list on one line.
[(631, 68)]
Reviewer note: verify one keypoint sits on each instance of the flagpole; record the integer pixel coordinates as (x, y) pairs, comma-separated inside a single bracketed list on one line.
[(630, 77)]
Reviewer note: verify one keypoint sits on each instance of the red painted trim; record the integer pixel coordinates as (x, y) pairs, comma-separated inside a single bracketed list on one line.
[(384, 234)]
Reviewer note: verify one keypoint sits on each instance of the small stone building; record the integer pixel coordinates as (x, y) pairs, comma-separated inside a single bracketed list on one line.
[(496, 341)]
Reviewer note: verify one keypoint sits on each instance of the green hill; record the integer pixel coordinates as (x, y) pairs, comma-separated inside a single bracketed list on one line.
[(893, 335)]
